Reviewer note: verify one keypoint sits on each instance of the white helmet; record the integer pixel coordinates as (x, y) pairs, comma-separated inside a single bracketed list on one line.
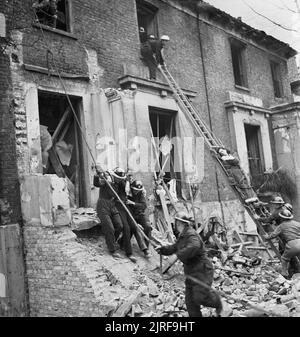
[(165, 38)]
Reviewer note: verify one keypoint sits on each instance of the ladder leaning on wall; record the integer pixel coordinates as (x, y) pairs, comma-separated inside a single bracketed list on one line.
[(214, 144)]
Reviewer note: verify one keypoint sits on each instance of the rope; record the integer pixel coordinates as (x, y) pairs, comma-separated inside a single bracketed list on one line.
[(88, 147)]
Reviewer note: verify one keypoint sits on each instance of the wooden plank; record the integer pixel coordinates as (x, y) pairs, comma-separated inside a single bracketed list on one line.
[(15, 269), (77, 166), (61, 124), (125, 307), (11, 254), (64, 131), (3, 263), (161, 195)]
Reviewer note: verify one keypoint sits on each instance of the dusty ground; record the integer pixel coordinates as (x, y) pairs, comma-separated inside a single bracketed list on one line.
[(163, 295)]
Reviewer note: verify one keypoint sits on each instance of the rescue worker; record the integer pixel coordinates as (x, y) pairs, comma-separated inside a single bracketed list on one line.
[(129, 227), (191, 251), (238, 176), (152, 52), (289, 232), (46, 10), (278, 206), (143, 35), (107, 212), (138, 205)]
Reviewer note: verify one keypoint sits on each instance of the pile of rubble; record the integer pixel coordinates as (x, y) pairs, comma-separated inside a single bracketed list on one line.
[(251, 286)]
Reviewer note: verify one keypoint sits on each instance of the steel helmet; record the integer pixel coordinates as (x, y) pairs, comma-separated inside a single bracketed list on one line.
[(277, 200), (137, 185), (151, 36), (285, 214), (165, 38), (119, 173), (289, 207)]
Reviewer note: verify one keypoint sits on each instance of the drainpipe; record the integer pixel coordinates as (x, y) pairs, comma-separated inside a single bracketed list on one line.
[(208, 109)]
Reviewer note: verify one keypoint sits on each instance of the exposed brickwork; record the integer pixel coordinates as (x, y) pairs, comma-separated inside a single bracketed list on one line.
[(63, 279)]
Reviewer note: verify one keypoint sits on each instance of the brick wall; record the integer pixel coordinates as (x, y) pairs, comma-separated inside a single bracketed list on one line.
[(10, 201), (110, 28), (62, 279)]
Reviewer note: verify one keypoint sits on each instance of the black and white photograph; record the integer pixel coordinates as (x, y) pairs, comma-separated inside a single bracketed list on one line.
[(150, 161)]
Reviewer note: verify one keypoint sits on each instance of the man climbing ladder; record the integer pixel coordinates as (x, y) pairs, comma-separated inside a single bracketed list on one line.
[(214, 144)]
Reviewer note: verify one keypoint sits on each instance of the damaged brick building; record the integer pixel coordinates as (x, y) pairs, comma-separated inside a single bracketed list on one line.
[(236, 76)]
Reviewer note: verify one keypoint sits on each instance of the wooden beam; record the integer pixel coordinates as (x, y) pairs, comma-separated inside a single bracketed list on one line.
[(61, 124)]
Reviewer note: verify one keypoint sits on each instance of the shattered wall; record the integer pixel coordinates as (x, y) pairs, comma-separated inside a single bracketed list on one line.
[(63, 279)]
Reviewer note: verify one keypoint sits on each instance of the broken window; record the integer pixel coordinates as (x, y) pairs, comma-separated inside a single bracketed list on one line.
[(277, 81), (238, 63), (61, 143), (255, 154), (163, 129), (53, 13), (147, 17)]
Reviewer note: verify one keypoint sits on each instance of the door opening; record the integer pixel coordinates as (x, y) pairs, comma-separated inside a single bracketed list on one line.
[(255, 154), (61, 143)]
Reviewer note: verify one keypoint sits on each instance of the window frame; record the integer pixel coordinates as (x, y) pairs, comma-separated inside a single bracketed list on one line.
[(277, 79), (240, 48), (68, 18), (150, 10)]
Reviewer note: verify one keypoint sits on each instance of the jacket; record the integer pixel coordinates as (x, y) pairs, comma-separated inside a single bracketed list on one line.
[(288, 230), (138, 209), (104, 192), (191, 251)]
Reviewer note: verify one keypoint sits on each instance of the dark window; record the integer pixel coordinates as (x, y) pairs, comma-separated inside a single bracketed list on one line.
[(147, 18), (53, 13), (255, 154), (238, 63), (163, 124), (276, 77), (62, 154)]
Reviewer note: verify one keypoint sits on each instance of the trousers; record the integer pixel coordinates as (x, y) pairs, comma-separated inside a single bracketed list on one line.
[(110, 221), (129, 229), (196, 295)]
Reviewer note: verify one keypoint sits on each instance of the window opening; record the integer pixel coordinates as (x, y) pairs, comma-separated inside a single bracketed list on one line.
[(238, 63), (277, 81), (147, 17), (53, 13), (163, 125), (255, 154), (62, 153)]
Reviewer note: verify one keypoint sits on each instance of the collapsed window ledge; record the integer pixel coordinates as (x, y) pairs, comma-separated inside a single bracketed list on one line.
[(54, 30), (42, 70), (240, 87)]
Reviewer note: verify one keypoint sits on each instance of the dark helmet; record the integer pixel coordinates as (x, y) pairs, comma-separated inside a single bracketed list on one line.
[(137, 185), (277, 200), (285, 214), (119, 173)]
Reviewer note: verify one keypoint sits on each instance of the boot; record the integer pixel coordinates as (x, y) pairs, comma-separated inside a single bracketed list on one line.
[(284, 268), (131, 258)]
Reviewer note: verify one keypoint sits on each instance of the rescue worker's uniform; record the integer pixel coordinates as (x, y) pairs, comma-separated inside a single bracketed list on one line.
[(107, 212), (138, 210), (191, 252), (129, 227), (289, 232)]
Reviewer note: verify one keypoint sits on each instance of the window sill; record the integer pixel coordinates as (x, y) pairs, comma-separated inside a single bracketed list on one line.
[(54, 30), (241, 88)]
